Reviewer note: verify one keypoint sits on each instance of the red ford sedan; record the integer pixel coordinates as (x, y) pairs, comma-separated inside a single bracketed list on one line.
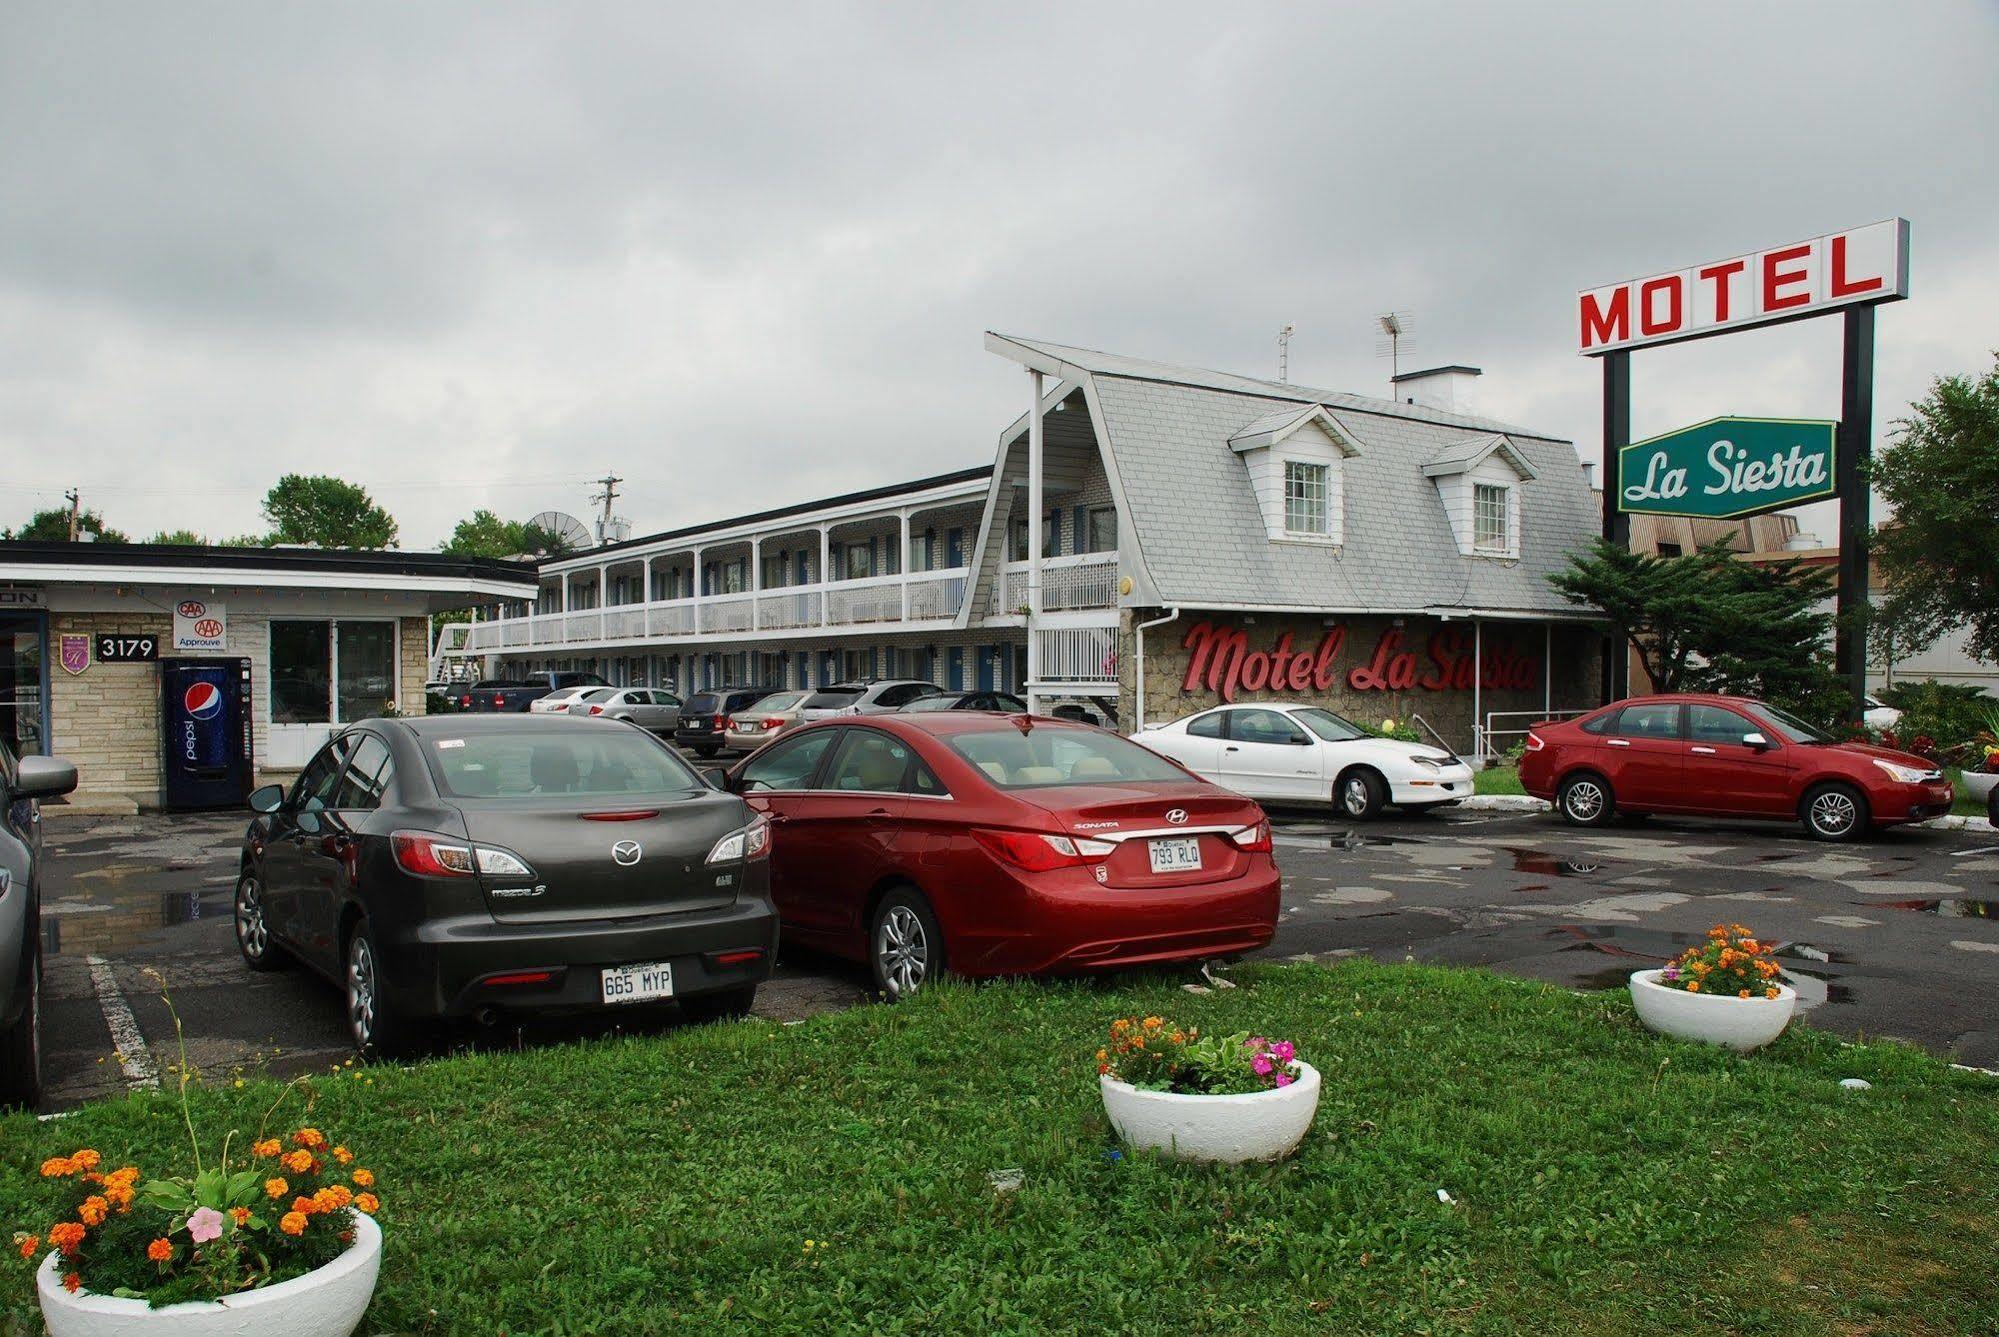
[(1001, 845), (1725, 756)]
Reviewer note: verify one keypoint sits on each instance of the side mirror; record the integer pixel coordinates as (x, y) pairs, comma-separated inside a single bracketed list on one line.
[(267, 798), (716, 777), (1755, 740), (44, 777)]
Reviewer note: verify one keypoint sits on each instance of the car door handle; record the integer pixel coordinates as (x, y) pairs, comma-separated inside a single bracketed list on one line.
[(1231, 748), (1620, 742), (1702, 751)]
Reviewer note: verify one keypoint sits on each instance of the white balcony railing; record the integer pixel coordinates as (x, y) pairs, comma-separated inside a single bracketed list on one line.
[(1077, 654), (790, 608), (731, 612), (1085, 580)]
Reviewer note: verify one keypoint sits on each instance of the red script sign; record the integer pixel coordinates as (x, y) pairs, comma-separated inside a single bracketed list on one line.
[(1219, 660)]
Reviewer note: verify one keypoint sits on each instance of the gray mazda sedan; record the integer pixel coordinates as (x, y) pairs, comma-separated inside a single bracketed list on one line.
[(476, 866)]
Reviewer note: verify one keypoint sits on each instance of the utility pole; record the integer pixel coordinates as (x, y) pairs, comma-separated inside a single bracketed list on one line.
[(75, 499), (609, 482)]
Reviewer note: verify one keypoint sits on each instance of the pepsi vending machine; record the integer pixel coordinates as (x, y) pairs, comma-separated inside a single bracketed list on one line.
[(205, 709)]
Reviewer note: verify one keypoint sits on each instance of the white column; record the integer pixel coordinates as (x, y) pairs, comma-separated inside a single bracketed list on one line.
[(903, 565), (1547, 669), (1034, 522), (825, 570), (700, 590), (756, 581), (1477, 690)]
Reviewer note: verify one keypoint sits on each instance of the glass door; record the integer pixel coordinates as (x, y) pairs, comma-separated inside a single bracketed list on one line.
[(23, 683)]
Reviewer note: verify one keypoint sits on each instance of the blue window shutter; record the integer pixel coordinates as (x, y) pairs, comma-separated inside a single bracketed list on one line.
[(954, 671), (874, 556), (1079, 529), (955, 542)]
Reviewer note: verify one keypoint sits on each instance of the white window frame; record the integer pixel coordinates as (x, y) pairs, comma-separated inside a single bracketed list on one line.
[(1324, 477), (1504, 493), (333, 625)]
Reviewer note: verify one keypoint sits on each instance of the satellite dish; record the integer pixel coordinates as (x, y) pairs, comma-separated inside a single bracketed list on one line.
[(565, 527)]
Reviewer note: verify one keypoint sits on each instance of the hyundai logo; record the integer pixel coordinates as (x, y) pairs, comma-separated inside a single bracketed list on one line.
[(626, 852), (1177, 816)]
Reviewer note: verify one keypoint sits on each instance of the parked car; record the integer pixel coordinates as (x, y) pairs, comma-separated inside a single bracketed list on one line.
[(995, 845), (23, 784), (503, 695), (557, 702), (648, 707), (437, 869), (1289, 753), (704, 719), (1725, 756), (866, 696), (765, 720), (996, 701), (1879, 714)]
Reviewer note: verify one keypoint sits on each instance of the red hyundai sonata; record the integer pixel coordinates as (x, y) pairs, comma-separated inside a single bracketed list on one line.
[(1002, 845), (1725, 756)]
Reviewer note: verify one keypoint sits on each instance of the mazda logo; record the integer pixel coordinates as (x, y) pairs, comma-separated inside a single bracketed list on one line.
[(1177, 816), (626, 852)]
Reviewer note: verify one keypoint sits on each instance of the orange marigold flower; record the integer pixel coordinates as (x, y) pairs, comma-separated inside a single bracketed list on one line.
[(333, 1197), (30, 1243), (124, 1174), (119, 1192), (299, 1161), (58, 1167), (292, 1223), (365, 1178), (85, 1159), (270, 1146), (72, 1282), (367, 1202), (93, 1211), (342, 1155), (276, 1188), (304, 1206), (160, 1250), (1693, 986), (1770, 993), (240, 1215), (309, 1137), (67, 1236), (1743, 994)]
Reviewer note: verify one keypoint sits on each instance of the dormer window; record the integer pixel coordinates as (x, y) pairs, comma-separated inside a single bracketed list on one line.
[(1490, 531), (1479, 480), (1296, 459), (1305, 499)]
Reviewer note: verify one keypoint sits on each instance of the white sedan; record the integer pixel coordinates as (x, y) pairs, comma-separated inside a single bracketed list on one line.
[(558, 701), (1305, 754)]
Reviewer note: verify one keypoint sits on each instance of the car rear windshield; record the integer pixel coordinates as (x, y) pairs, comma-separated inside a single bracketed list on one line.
[(939, 701), (833, 700), (593, 693), (543, 762), (781, 701), (702, 703), (1043, 757)]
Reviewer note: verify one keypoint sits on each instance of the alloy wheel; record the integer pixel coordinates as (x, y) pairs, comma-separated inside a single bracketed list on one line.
[(1584, 800), (1833, 813), (251, 931), (1354, 796), (361, 991), (903, 950)]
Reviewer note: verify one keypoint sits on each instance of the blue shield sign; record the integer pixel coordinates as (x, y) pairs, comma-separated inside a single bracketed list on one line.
[(1726, 468)]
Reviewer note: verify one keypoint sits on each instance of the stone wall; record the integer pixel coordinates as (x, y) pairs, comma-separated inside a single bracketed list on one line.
[(413, 653), (1365, 668)]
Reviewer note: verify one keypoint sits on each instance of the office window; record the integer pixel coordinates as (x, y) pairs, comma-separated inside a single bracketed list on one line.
[(860, 561), (1489, 527), (1103, 529), (1305, 498), (1670, 550), (331, 672)]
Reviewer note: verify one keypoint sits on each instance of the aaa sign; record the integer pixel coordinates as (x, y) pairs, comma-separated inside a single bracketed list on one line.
[(1728, 467)]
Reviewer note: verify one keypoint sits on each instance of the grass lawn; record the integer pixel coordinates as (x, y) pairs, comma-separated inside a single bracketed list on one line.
[(1966, 805), (1497, 780), (1605, 1181)]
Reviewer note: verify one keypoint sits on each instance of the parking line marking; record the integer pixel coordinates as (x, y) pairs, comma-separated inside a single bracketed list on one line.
[(134, 1059)]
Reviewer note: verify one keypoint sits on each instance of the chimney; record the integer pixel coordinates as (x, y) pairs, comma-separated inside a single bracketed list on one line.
[(1446, 388)]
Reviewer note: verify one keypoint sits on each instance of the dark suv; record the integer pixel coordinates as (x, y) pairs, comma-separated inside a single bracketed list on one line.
[(704, 716)]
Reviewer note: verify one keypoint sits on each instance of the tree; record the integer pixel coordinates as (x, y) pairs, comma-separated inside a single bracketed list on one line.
[(52, 526), (183, 537), (1708, 622), (329, 512), (1939, 555), (484, 534)]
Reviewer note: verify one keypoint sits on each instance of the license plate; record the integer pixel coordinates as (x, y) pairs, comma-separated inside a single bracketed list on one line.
[(637, 984), (1174, 856)]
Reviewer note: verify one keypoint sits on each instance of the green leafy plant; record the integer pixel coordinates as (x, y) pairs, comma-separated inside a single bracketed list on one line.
[(1152, 1054), (1730, 964)]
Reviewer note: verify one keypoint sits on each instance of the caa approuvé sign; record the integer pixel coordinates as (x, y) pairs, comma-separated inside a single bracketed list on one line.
[(1727, 468)]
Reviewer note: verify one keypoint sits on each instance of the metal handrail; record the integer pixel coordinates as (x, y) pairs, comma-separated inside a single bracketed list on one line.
[(1533, 717)]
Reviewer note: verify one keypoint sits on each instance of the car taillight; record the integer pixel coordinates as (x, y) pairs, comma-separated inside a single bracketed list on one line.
[(1037, 853), (465, 702), (1534, 742), (727, 723), (428, 855), (773, 723), (749, 844), (499, 700), (596, 710), (1254, 839)]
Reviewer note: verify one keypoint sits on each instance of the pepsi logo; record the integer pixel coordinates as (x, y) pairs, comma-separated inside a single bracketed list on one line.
[(202, 701), (191, 608)]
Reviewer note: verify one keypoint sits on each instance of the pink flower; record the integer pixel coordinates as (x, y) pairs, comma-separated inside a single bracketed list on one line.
[(204, 1225), (1282, 1079), (1262, 1065), (1284, 1050)]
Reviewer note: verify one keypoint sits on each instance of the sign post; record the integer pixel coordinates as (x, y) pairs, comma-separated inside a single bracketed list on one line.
[(1848, 272)]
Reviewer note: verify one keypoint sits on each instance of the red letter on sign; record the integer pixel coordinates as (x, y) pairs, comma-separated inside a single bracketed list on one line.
[(1602, 327), (1772, 280), (1719, 275), (1670, 285), (1841, 285)]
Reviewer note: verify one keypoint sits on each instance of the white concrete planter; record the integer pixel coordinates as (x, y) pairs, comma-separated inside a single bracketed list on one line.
[(326, 1302), (1716, 1019), (1978, 784), (1260, 1126)]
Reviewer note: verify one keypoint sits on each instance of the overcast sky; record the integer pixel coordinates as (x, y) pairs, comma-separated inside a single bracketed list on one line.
[(473, 255)]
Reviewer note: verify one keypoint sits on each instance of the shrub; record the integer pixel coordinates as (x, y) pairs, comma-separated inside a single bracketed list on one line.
[(1731, 963), (1152, 1054), (1950, 714)]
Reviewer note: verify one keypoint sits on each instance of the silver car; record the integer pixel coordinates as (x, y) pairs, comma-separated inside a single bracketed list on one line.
[(23, 783), (650, 708), (866, 696), (751, 729)]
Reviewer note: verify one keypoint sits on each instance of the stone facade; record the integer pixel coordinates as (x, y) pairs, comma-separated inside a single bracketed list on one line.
[(1365, 668)]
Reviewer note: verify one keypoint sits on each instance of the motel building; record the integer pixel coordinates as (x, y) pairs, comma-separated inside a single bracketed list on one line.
[(1148, 539)]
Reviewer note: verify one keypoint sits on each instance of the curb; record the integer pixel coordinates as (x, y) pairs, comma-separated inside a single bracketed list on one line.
[(1528, 803)]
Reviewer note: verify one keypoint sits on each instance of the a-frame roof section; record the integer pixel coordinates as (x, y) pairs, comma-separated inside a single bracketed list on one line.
[(1272, 428), (1464, 456)]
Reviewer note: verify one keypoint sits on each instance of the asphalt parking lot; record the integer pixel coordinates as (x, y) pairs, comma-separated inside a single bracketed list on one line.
[(1898, 936)]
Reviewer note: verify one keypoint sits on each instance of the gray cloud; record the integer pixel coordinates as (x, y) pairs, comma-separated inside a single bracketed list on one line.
[(470, 255)]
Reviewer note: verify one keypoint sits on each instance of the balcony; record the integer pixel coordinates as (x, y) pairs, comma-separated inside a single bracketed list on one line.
[(1085, 580), (931, 597)]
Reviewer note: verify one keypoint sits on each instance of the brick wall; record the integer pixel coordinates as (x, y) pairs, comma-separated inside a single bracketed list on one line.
[(413, 646)]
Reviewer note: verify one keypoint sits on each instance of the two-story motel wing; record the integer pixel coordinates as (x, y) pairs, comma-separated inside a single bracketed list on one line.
[(1223, 528)]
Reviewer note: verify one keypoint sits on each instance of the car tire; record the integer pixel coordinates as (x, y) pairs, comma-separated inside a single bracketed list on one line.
[(1585, 799), (21, 1047), (253, 932), (1833, 812), (905, 944), (1359, 793), (1992, 806), (372, 1024), (707, 749), (719, 1005)]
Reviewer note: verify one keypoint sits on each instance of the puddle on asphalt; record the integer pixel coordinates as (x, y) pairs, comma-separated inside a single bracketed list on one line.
[(1949, 907), (1550, 865), (94, 930), (1351, 839), (1643, 949)]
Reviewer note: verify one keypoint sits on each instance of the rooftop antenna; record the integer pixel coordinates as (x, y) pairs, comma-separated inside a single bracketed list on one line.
[(1396, 326), (1284, 355)]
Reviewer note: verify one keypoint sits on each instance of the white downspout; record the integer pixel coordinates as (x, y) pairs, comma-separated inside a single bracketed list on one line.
[(1034, 523), (1138, 682), (1477, 690)]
